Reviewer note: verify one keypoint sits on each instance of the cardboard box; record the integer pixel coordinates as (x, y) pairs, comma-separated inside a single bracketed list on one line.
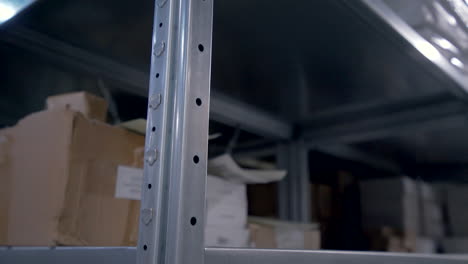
[(91, 106), (390, 240), (430, 206), (455, 245), (268, 233), (226, 213), (61, 176), (391, 202), (5, 144), (457, 195), (322, 202), (226, 203), (425, 245), (226, 237)]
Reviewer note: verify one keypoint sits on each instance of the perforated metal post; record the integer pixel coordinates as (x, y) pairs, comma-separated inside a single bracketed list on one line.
[(173, 197)]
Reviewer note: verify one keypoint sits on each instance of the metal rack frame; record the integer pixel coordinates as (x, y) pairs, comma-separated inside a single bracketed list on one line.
[(173, 202), (72, 255), (172, 214)]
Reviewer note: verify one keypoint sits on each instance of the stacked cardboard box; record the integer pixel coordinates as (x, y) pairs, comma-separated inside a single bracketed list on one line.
[(391, 203), (269, 233), (457, 213), (388, 239), (457, 195), (455, 245), (226, 218), (322, 202), (432, 222), (58, 173), (411, 210), (5, 144)]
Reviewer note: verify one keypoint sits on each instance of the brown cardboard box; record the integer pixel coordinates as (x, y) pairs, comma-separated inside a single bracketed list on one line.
[(91, 106), (62, 171), (268, 233), (5, 143), (390, 240)]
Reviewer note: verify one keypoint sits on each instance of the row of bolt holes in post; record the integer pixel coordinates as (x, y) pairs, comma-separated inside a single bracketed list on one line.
[(196, 159)]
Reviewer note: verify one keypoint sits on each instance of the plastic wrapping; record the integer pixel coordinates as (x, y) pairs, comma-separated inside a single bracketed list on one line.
[(444, 23)]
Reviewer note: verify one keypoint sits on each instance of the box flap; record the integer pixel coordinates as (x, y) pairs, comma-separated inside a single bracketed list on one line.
[(91, 106)]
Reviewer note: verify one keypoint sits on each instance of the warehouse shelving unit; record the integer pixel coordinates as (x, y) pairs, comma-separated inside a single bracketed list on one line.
[(179, 107)]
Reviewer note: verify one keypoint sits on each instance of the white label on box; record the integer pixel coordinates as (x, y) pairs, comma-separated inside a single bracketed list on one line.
[(128, 183)]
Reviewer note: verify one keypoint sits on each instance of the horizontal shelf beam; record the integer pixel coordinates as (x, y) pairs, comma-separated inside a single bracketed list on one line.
[(354, 154), (383, 120), (68, 255), (222, 109), (270, 256), (231, 112), (122, 255)]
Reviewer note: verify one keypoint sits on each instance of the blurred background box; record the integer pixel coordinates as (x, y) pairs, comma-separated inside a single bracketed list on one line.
[(269, 233), (322, 202), (5, 144), (226, 213), (390, 240), (216, 236), (455, 245), (432, 221), (61, 173), (391, 202), (457, 197), (226, 200), (226, 203)]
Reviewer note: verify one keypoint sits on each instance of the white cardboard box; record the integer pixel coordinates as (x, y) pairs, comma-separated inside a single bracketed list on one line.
[(226, 203), (430, 205), (271, 233), (226, 217)]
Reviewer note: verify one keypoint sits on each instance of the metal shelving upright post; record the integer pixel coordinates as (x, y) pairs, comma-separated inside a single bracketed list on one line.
[(173, 197)]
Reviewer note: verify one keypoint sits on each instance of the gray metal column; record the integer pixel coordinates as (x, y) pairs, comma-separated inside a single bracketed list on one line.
[(294, 191), (173, 197), (282, 159)]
